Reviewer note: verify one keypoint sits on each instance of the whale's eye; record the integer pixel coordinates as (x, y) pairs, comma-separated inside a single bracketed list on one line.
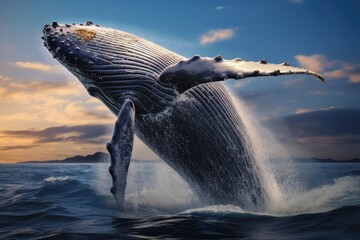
[(85, 34)]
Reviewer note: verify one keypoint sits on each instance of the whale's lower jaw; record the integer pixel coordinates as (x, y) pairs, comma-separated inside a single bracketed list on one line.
[(202, 137)]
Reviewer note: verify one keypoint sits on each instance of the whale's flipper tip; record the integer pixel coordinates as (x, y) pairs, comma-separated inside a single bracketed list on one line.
[(198, 70)]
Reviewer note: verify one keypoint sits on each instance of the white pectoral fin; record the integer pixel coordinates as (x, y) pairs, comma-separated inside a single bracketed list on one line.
[(198, 70), (120, 149)]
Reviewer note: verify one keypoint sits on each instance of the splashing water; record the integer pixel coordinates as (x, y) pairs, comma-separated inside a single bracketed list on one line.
[(266, 149), (342, 192), (263, 147)]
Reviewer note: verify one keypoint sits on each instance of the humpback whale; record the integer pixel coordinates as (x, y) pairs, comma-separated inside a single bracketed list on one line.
[(177, 106)]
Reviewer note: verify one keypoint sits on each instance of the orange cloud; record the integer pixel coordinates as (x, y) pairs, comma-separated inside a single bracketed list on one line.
[(351, 71), (302, 110), (315, 62), (217, 35), (38, 66), (25, 91), (39, 105), (331, 69)]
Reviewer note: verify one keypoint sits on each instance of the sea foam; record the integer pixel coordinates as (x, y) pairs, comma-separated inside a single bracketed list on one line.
[(56, 179)]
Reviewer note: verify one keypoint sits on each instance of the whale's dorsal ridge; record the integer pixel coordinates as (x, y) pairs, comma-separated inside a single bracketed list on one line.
[(198, 70)]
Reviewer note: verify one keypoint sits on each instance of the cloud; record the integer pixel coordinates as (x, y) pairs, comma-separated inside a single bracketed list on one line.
[(15, 90), (348, 70), (42, 104), (91, 134), (38, 66), (34, 85), (331, 132), (338, 124), (217, 35), (332, 121), (50, 142), (314, 62), (6, 148), (82, 124), (51, 102), (302, 110), (219, 8), (331, 69)]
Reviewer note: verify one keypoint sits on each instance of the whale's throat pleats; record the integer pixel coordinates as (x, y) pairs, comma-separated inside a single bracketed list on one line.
[(129, 68)]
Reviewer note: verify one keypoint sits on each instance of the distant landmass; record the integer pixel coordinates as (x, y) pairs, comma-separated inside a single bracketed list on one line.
[(98, 157), (327, 160), (102, 157)]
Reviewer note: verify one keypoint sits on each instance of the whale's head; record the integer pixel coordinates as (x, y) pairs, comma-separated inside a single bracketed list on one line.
[(112, 65)]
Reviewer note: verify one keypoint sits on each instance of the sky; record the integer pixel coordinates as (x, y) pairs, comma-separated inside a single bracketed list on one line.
[(45, 113)]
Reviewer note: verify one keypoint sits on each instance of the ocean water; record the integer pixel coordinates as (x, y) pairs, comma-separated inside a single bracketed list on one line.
[(72, 201)]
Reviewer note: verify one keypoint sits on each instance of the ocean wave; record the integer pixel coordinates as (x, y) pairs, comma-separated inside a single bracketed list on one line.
[(67, 204), (353, 173), (228, 222), (215, 209), (56, 179)]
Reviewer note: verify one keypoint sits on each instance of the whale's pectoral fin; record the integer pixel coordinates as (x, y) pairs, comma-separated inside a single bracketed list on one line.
[(120, 149), (198, 70)]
